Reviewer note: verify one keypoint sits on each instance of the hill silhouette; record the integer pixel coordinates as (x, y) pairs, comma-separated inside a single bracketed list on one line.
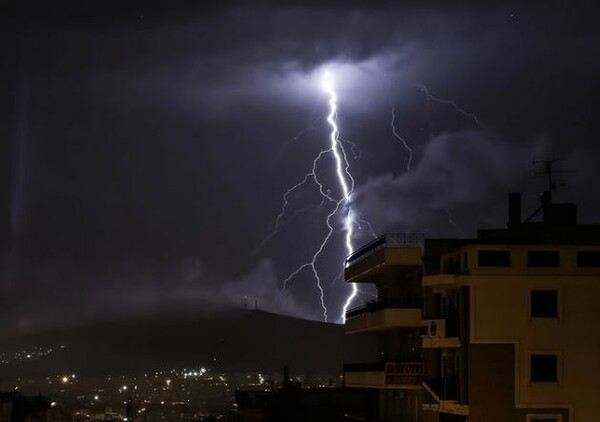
[(232, 341)]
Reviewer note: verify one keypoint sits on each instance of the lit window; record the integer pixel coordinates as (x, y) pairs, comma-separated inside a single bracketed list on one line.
[(544, 304), (544, 368)]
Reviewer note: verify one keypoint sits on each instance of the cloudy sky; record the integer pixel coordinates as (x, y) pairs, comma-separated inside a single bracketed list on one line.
[(145, 149)]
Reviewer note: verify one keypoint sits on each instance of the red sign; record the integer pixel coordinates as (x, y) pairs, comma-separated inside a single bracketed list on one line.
[(404, 373)]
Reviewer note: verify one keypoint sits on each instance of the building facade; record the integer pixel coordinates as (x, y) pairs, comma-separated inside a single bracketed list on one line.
[(501, 328)]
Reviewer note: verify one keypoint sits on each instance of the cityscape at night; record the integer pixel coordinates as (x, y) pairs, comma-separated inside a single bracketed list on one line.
[(336, 210), (175, 394)]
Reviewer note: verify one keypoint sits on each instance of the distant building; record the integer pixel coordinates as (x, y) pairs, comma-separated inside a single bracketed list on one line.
[(501, 328), (293, 403)]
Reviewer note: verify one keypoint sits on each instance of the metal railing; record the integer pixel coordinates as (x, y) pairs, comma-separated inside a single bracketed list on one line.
[(374, 306), (370, 306), (394, 240)]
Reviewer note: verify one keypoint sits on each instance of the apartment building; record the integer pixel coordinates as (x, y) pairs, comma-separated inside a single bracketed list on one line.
[(500, 328)]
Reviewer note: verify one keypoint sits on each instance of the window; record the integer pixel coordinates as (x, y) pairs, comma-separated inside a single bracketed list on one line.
[(544, 304), (588, 259), (493, 258), (543, 259), (544, 368)]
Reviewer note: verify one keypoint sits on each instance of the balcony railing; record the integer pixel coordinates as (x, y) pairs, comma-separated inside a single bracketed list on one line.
[(370, 306), (374, 306), (395, 240)]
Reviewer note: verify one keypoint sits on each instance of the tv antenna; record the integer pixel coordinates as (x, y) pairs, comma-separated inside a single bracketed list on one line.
[(547, 167)]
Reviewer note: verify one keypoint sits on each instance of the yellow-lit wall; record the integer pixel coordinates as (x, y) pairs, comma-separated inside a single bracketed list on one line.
[(500, 313), (568, 260), (385, 319), (374, 379)]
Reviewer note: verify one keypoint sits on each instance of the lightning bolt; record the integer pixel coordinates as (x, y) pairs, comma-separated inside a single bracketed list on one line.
[(452, 222), (312, 264), (356, 152), (369, 226), (341, 173), (346, 184), (451, 103), (458, 109), (308, 177), (429, 97), (341, 202), (401, 139), (341, 160)]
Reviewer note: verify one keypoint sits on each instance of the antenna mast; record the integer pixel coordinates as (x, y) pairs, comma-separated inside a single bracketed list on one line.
[(547, 169)]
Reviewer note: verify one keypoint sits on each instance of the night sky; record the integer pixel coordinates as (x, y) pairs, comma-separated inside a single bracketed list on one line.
[(145, 149)]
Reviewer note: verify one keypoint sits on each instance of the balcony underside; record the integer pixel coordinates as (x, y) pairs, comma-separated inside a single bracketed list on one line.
[(369, 268), (384, 319)]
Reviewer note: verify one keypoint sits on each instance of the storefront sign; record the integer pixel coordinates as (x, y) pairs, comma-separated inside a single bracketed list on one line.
[(404, 373)]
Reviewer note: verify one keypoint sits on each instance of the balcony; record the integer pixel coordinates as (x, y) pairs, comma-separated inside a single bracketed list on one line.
[(439, 334), (390, 250), (374, 317), (389, 375)]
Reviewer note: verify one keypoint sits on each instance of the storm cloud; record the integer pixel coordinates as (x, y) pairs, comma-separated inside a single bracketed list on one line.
[(139, 139), (469, 171)]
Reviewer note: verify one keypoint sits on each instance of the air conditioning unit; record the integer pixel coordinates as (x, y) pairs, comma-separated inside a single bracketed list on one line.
[(434, 328)]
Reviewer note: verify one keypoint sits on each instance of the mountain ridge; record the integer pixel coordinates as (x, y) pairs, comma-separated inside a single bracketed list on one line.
[(230, 341)]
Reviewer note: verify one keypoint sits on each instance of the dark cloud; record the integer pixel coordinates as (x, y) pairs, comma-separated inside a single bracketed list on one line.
[(468, 171), (158, 134), (137, 289)]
